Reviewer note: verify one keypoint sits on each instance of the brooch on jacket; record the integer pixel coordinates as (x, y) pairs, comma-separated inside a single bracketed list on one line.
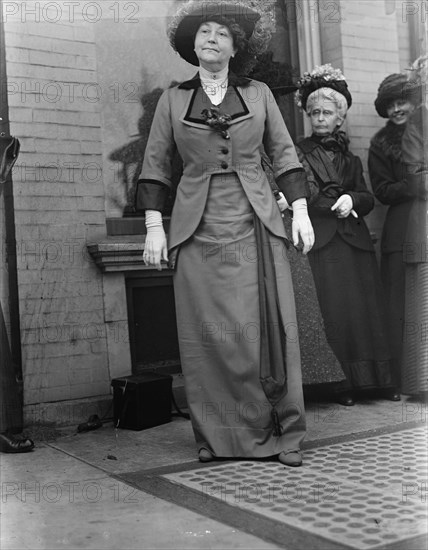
[(219, 122)]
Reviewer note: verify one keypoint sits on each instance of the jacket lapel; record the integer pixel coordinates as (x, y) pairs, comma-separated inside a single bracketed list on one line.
[(233, 103)]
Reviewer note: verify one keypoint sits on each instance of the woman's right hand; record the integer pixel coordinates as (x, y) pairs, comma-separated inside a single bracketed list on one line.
[(344, 206), (155, 248)]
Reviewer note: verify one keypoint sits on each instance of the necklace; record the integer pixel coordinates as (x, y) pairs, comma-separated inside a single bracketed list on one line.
[(212, 88)]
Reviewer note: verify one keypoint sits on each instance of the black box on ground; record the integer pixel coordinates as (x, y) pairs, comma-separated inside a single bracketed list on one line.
[(142, 401)]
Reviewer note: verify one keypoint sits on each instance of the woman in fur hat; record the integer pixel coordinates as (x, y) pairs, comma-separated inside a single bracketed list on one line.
[(343, 259), (395, 101), (235, 307)]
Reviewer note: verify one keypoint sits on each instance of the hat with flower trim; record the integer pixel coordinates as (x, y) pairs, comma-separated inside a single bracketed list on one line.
[(322, 76)]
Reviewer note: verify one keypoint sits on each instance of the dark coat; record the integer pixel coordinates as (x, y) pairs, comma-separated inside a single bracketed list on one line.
[(415, 147), (322, 175), (388, 179)]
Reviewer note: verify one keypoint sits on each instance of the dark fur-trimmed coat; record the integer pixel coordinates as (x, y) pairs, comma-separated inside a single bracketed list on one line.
[(388, 178), (415, 158)]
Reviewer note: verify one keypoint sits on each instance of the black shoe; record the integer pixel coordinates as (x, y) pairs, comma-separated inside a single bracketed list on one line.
[(205, 455), (92, 424), (9, 444), (290, 458), (345, 399), (393, 395)]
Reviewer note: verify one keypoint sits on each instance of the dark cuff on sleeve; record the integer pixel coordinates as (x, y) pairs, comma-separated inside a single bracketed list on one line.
[(294, 184), (355, 199), (151, 195)]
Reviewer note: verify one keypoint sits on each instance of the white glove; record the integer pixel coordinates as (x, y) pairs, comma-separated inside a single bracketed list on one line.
[(302, 225), (282, 202), (155, 248), (343, 207)]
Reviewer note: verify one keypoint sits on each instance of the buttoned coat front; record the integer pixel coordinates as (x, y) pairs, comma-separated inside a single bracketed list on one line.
[(255, 122)]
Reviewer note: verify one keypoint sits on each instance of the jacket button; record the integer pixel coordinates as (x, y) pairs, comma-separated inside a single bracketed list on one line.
[(224, 150), (224, 164)]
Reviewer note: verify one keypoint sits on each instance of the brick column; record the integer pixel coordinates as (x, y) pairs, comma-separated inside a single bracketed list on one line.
[(54, 110)]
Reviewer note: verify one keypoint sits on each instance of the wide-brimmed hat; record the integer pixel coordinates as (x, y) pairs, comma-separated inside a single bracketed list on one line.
[(395, 87), (186, 22), (323, 76)]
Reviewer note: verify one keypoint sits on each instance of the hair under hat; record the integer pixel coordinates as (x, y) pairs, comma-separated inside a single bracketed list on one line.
[(328, 94)]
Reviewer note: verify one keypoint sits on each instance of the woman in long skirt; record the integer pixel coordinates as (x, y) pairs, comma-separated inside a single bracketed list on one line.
[(235, 307)]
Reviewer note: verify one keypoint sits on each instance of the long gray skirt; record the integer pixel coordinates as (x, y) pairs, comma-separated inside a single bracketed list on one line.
[(218, 320)]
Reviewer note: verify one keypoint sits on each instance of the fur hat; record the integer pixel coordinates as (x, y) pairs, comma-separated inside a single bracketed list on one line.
[(393, 88), (323, 76), (186, 22)]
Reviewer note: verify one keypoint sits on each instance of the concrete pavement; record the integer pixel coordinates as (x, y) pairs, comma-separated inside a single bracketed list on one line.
[(363, 485)]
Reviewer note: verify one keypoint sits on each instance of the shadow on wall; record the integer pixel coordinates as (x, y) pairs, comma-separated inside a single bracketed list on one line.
[(131, 156)]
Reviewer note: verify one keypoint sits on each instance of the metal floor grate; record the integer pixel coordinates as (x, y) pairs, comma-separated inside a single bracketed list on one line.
[(363, 493)]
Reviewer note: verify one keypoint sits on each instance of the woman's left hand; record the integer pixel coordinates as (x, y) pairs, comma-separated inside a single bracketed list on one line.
[(343, 207)]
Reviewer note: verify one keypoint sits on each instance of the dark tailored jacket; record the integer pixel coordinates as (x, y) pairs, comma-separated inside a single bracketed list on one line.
[(415, 157), (390, 186), (256, 122), (322, 173)]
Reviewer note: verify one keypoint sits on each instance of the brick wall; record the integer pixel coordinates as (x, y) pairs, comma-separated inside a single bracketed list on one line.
[(363, 41), (59, 200)]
